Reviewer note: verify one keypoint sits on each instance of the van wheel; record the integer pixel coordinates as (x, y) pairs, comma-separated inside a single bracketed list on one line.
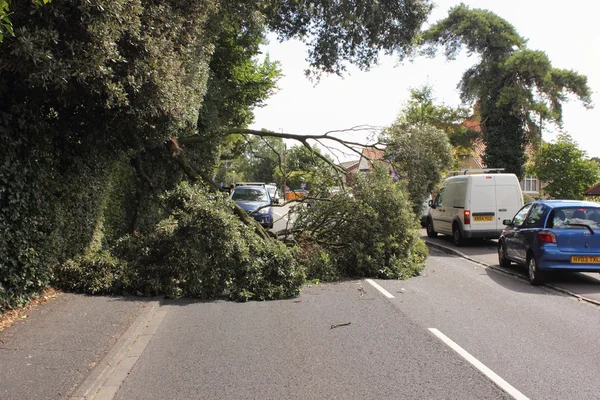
[(459, 240), (504, 262), (536, 277), (430, 231)]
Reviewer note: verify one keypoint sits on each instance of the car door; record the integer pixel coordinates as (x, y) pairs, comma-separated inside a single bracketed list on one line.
[(512, 233), (525, 235)]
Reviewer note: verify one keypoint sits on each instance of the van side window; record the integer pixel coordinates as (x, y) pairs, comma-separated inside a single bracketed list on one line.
[(535, 215), (439, 197)]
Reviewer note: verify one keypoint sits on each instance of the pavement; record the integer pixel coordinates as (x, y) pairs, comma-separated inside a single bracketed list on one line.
[(66, 344)]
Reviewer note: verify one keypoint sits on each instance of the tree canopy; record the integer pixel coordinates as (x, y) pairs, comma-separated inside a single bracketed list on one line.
[(92, 91), (516, 88), (353, 31), (564, 169)]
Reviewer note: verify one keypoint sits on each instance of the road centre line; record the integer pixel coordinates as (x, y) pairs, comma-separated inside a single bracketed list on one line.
[(382, 290), (507, 387)]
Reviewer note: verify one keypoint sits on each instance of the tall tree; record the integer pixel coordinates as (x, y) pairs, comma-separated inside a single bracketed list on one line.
[(564, 169), (350, 31), (515, 87), (419, 153), (422, 110)]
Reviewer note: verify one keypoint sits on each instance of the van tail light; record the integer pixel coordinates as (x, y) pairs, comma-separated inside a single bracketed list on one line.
[(467, 217), (547, 237)]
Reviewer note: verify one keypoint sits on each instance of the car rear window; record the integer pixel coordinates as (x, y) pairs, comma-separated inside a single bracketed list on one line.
[(248, 194), (574, 218)]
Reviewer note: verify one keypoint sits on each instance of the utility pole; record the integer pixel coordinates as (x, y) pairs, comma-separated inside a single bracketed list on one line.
[(284, 172)]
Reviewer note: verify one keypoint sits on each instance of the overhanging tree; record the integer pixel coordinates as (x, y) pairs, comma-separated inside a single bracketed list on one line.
[(517, 89), (87, 86)]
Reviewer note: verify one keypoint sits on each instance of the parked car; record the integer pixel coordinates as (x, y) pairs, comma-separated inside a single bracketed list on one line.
[(548, 235), (256, 201), (474, 206)]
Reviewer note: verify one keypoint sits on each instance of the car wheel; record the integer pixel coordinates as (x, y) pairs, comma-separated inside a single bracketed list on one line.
[(457, 235), (536, 277), (504, 262), (430, 231)]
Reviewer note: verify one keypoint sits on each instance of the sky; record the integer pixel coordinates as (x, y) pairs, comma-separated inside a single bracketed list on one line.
[(566, 31)]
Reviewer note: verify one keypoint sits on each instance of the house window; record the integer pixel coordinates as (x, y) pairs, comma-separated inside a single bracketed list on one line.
[(530, 185)]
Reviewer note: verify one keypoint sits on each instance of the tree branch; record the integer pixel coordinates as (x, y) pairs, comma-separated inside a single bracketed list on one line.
[(178, 155)]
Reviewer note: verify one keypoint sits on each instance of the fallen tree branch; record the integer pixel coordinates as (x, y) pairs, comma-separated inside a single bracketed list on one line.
[(178, 155)]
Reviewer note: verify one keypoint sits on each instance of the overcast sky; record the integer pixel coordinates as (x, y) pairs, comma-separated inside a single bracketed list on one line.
[(566, 31)]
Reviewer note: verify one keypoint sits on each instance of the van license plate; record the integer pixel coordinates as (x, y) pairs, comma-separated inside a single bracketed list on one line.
[(486, 218), (585, 259)]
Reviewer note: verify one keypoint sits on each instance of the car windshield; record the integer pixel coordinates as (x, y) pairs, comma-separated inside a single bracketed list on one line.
[(574, 217), (271, 190), (249, 194)]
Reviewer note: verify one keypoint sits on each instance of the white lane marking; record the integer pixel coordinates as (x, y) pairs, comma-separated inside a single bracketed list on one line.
[(507, 387), (382, 290)]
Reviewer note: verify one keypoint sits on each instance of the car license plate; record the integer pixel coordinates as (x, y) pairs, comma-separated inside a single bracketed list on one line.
[(585, 259), (484, 218)]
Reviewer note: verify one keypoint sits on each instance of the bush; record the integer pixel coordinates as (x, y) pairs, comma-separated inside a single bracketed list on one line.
[(527, 198), (93, 273), (372, 233), (201, 250), (318, 263)]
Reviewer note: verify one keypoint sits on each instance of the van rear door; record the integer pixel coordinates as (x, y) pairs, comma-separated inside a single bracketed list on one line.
[(509, 198), (483, 203)]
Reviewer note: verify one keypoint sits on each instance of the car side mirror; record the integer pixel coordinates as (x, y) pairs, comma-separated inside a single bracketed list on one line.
[(275, 201), (430, 203), (508, 222)]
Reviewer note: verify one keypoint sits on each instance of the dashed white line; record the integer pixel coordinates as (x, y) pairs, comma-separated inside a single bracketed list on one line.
[(507, 387), (382, 290)]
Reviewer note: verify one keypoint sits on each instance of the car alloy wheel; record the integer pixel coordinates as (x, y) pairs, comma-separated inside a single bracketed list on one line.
[(536, 277)]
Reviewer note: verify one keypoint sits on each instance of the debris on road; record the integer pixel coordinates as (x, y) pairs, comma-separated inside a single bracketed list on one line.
[(338, 325)]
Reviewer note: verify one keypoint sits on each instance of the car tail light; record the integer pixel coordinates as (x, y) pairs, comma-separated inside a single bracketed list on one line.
[(467, 217), (547, 237)]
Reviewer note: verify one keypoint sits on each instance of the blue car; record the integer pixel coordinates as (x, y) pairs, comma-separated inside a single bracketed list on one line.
[(256, 201), (548, 235)]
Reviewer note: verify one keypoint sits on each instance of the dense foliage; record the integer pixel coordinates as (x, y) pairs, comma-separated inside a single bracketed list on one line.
[(420, 156), (354, 31), (79, 99), (369, 233), (200, 250), (564, 169), (515, 87), (91, 89), (419, 143)]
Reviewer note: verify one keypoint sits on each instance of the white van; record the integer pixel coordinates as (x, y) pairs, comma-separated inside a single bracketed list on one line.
[(474, 206)]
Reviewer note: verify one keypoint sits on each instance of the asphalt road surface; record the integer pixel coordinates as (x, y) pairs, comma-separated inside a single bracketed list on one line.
[(586, 285), (293, 350), (350, 340)]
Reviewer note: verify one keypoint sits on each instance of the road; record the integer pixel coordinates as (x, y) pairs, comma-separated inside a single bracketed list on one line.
[(353, 339), (280, 217), (586, 285)]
